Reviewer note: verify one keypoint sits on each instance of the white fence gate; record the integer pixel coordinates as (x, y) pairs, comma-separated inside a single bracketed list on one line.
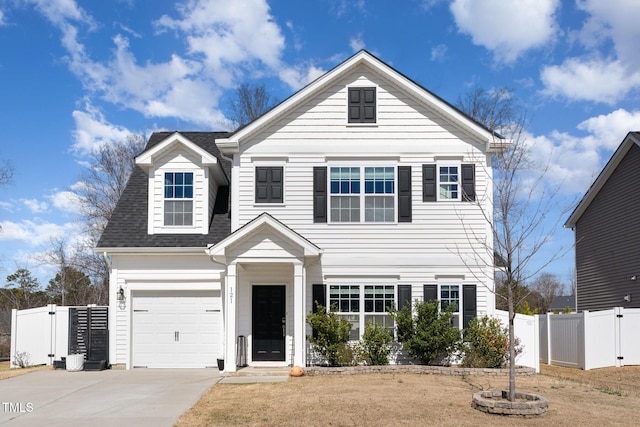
[(526, 330), (590, 340), (39, 335)]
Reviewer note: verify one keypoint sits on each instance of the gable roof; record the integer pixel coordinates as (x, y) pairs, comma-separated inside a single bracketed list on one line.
[(264, 220), (146, 159), (630, 139), (446, 110), (127, 226)]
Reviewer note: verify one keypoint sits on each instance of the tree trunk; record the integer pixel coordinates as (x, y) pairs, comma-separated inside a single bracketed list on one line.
[(512, 350)]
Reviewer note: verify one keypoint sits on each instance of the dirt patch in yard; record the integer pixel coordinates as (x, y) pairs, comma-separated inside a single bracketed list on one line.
[(599, 397)]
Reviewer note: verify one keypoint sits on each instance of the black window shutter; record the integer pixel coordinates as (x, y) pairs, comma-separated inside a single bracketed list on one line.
[(319, 295), (262, 185), (319, 194), (404, 296), (404, 193), (468, 182), (269, 184), (430, 293), (469, 304), (362, 105), (428, 183)]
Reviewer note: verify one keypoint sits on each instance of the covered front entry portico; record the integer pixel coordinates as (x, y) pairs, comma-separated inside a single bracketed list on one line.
[(265, 292)]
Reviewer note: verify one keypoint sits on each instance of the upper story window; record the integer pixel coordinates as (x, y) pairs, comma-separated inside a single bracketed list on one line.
[(448, 183), (362, 105), (349, 203), (178, 195), (269, 184)]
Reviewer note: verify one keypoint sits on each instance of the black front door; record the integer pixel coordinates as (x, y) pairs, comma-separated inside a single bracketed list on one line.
[(269, 328)]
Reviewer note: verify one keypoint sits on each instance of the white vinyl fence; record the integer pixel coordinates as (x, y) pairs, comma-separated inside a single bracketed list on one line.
[(590, 340), (39, 335), (526, 330)]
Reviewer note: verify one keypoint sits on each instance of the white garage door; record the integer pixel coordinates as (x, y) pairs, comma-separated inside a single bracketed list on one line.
[(176, 330)]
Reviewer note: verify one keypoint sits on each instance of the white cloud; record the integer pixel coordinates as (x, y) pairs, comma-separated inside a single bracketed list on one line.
[(66, 201), (356, 43), (616, 20), (609, 130), (35, 233), (61, 11), (2, 22), (7, 206), (93, 130), (35, 206), (297, 77), (598, 75), (224, 39), (507, 28), (229, 31), (591, 80), (575, 161), (438, 52)]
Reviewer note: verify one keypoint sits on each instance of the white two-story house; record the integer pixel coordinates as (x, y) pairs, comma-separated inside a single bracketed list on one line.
[(362, 190)]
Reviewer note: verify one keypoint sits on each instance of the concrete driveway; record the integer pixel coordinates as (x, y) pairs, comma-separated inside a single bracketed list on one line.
[(140, 397)]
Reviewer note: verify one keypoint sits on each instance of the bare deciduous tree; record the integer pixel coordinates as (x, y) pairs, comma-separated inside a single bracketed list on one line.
[(251, 102), (102, 185), (521, 201), (549, 287)]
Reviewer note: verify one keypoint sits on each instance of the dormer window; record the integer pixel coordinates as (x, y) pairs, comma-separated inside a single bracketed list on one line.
[(362, 105), (178, 195)]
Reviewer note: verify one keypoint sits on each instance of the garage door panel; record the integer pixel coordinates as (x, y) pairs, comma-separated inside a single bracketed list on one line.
[(179, 329)]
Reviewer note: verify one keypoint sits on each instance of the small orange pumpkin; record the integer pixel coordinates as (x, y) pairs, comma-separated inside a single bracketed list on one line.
[(296, 371)]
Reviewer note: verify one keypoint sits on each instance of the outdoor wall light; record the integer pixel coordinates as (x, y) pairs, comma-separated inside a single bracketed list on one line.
[(121, 294), (627, 298), (634, 277)]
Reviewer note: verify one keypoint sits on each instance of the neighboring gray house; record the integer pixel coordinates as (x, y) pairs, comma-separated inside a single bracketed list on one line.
[(607, 232), (559, 303)]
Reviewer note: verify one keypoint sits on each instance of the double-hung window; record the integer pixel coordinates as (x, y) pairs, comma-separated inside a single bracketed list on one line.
[(448, 182), (361, 304), (450, 296), (362, 194), (178, 198)]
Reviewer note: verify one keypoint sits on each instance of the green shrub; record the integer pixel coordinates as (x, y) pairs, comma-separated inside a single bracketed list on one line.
[(331, 335), (429, 335), (486, 344), (376, 344)]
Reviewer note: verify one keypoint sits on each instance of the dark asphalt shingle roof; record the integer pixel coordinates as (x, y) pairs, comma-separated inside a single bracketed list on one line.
[(128, 224)]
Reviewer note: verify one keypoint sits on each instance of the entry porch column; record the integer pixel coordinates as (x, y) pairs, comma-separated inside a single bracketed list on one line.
[(299, 314), (230, 305)]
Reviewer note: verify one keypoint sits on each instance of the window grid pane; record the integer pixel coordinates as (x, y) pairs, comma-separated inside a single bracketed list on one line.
[(344, 298), (362, 304), (379, 180), (345, 209), (178, 212), (379, 209), (345, 180), (450, 294), (178, 186), (449, 182)]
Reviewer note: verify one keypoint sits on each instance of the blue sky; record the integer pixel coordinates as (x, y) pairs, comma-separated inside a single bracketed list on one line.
[(78, 74)]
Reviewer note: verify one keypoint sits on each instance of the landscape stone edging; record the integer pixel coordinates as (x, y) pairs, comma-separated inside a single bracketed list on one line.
[(521, 371)]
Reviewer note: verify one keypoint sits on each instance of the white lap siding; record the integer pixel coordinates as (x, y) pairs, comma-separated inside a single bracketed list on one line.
[(154, 273)]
